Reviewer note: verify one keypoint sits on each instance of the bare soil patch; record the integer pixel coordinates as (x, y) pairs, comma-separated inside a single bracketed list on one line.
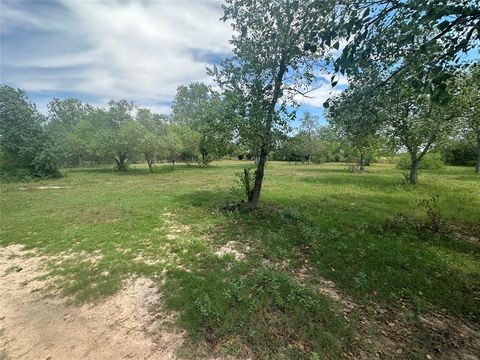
[(231, 248), (39, 325)]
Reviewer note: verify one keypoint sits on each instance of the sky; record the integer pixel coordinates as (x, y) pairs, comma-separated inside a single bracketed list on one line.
[(136, 50)]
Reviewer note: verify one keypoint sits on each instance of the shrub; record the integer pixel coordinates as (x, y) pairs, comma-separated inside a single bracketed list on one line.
[(431, 161), (46, 164), (244, 183)]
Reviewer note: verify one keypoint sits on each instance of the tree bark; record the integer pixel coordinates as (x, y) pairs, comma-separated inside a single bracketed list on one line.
[(121, 162), (264, 149), (362, 162), (257, 187), (150, 164), (204, 153), (477, 165), (413, 177)]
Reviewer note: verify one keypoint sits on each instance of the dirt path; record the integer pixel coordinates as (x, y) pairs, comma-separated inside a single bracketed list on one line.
[(33, 326)]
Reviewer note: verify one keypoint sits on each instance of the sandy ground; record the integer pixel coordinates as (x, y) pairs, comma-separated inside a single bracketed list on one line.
[(127, 325), (36, 324)]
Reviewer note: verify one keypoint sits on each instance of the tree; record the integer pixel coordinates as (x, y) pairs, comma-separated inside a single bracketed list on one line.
[(24, 141), (119, 112), (200, 108), (294, 148), (190, 103), (150, 121), (124, 142), (309, 133), (395, 37), (355, 118), (67, 113), (109, 134), (149, 147), (88, 138), (469, 103), (189, 140), (414, 121), (63, 117), (122, 134), (171, 145), (273, 62), (153, 126)]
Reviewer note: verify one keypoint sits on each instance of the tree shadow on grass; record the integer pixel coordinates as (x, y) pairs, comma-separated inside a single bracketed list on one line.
[(138, 169), (403, 262)]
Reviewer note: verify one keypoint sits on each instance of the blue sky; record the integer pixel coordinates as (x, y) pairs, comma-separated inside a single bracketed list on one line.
[(96, 51)]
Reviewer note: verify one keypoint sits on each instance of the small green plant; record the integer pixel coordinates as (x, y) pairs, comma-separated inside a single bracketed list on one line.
[(433, 222), (244, 183)]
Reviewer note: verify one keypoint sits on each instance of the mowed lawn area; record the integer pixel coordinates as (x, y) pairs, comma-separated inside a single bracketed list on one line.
[(334, 264)]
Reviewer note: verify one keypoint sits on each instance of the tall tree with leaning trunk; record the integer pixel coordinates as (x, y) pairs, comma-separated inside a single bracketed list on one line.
[(274, 55)]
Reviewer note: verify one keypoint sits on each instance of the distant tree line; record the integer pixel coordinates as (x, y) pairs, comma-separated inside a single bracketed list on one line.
[(363, 125), (411, 90), (74, 132)]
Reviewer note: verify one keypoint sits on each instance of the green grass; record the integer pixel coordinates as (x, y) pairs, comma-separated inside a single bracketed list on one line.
[(167, 225)]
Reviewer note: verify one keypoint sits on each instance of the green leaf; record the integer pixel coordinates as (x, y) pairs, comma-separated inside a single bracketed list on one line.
[(443, 25)]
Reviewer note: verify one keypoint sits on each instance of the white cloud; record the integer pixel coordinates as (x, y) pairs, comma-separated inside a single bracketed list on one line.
[(137, 50), (97, 50), (317, 97)]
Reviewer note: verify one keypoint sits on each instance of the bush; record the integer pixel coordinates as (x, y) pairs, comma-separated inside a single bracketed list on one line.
[(431, 161), (459, 153), (46, 164), (244, 182)]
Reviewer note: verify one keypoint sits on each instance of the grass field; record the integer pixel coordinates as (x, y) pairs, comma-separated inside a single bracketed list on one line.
[(327, 264)]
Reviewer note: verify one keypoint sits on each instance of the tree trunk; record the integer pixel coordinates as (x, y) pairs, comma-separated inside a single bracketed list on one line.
[(80, 161), (121, 166), (204, 153), (477, 165), (362, 162), (150, 164), (262, 159), (173, 163), (257, 187), (413, 177)]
